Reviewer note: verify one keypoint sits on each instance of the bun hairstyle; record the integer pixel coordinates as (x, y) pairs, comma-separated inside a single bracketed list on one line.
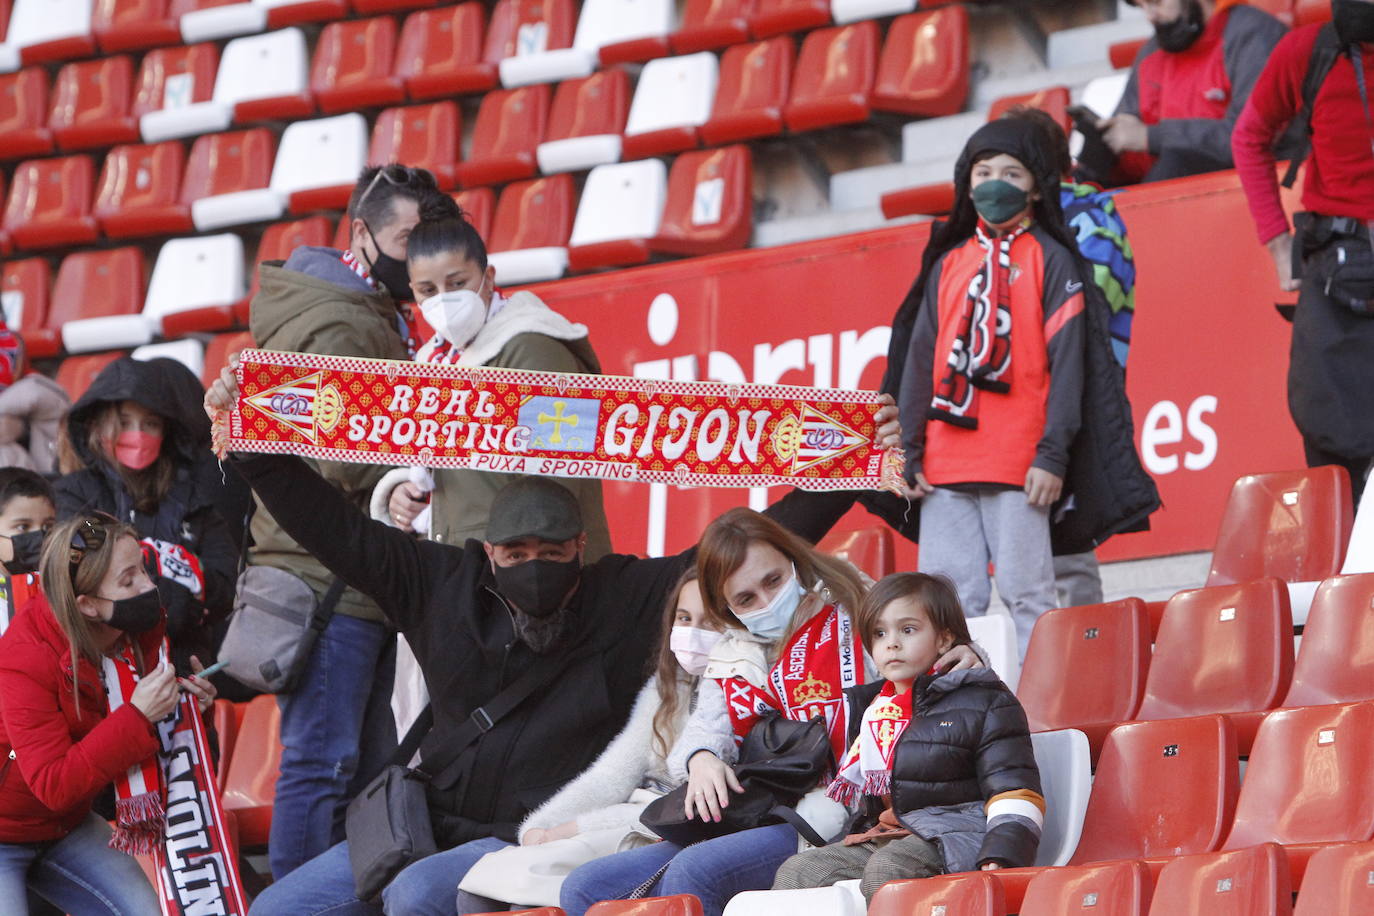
[(444, 228)]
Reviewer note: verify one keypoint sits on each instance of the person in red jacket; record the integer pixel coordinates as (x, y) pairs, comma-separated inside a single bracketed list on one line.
[(1331, 360), (59, 746), (1187, 87)]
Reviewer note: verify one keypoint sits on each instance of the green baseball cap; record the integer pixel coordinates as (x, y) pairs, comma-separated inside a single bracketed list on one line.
[(533, 507)]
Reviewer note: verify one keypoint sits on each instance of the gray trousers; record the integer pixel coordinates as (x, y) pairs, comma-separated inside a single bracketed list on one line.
[(961, 530), (875, 863), (1077, 579)]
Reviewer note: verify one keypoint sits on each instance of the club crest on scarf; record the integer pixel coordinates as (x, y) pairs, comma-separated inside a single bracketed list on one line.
[(867, 768)]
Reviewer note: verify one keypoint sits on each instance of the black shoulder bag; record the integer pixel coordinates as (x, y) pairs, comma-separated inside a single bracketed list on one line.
[(388, 825)]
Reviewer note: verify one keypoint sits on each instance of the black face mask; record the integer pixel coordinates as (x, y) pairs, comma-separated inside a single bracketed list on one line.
[(1183, 32), (538, 587), (389, 271), (1353, 20), (28, 548), (138, 614)]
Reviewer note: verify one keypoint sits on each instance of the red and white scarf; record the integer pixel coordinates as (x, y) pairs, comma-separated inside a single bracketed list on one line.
[(980, 354), (818, 663), (168, 807), (867, 768)]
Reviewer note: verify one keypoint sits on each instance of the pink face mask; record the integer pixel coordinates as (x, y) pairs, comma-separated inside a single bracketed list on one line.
[(136, 449)]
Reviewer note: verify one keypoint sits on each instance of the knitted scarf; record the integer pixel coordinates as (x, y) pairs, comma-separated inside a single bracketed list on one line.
[(867, 768), (980, 354), (140, 820)]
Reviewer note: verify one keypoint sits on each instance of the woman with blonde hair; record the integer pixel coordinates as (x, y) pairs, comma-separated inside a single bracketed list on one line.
[(84, 677)]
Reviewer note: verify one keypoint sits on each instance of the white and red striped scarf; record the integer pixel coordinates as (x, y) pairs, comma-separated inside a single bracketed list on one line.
[(867, 768), (168, 807), (980, 354)]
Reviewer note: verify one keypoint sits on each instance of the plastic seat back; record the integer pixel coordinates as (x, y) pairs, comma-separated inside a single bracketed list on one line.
[(534, 214), (477, 205), (1223, 649), (280, 239), (622, 201), (1310, 778), (76, 373), (252, 778), (710, 204), (833, 82), (624, 31), (440, 52), (1294, 525), (91, 284), (969, 894), (1053, 100), (1130, 812), (677, 905), (1335, 662), (217, 353), (267, 66), (755, 81), (130, 25), (226, 163), (597, 104), (91, 103), (521, 27), (710, 24), (510, 125), (1306, 12), (50, 203), (424, 136), (140, 191), (1246, 882), (175, 78), (353, 65), (672, 100), (1065, 765), (1086, 666), (870, 549), (24, 114), (25, 289), (996, 634), (778, 17), (1108, 889), (1339, 879), (50, 30), (319, 161), (194, 273), (924, 68)]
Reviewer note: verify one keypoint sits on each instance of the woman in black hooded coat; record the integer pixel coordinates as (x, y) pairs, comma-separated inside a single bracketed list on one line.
[(137, 446)]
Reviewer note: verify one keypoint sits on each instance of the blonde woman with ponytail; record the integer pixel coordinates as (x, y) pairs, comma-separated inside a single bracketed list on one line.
[(59, 743)]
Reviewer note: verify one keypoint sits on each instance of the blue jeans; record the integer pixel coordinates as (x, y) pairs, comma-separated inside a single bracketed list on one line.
[(324, 885), (714, 871), (80, 874), (344, 693)]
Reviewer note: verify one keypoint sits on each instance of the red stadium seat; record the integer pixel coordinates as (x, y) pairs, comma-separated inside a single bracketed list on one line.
[(24, 114), (926, 199), (710, 205), (1306, 12), (76, 373), (924, 68), (424, 136), (227, 715), (530, 232), (1053, 100), (710, 24), (92, 284), (280, 239), (25, 289), (180, 75), (677, 905), (510, 125), (529, 26), (237, 163), (1294, 525), (132, 25), (1310, 780), (440, 52), (140, 191), (1226, 649), (369, 7), (50, 203), (352, 67), (1165, 788), (1338, 881), (537, 911), (91, 104), (295, 12), (1335, 662), (778, 17), (970, 894), (477, 205), (1108, 889), (755, 81), (870, 549), (833, 82), (1123, 54), (1085, 668), (585, 122), (1246, 882), (217, 353), (252, 776)]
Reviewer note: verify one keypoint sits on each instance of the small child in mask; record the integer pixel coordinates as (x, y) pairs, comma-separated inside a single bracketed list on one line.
[(992, 390), (26, 513), (940, 763)]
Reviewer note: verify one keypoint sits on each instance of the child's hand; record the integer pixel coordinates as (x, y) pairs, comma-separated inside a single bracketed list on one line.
[(889, 432), (957, 659), (1042, 487), (921, 488), (709, 783)]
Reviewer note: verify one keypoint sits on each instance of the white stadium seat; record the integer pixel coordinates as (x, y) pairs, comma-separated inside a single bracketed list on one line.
[(602, 22), (194, 273), (34, 22), (320, 153), (188, 351), (621, 201), (674, 92), (996, 634), (1065, 764), (846, 11)]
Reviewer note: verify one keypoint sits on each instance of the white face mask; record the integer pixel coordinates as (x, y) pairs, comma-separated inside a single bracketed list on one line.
[(692, 646), (771, 621), (457, 316)]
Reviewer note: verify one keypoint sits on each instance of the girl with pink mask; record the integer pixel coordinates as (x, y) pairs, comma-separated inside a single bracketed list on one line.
[(136, 445)]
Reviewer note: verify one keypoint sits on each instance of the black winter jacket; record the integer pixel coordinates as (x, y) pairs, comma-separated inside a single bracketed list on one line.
[(191, 514), (442, 597), (967, 742)]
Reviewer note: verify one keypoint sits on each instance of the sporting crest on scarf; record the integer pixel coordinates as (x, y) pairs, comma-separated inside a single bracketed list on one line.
[(867, 768), (559, 425), (168, 807)]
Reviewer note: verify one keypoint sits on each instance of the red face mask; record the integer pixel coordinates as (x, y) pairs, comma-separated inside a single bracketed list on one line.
[(136, 449)]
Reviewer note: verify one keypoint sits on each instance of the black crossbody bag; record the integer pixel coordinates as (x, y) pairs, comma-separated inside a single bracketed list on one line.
[(388, 824)]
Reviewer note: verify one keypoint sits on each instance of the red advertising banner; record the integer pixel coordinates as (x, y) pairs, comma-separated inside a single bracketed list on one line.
[(699, 434)]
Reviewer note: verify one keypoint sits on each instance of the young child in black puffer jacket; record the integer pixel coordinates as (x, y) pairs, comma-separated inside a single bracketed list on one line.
[(947, 786)]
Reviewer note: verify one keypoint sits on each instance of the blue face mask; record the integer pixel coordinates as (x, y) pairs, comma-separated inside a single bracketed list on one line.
[(770, 622)]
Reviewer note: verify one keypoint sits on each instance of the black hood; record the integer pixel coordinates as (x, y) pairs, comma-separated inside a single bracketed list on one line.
[(164, 386)]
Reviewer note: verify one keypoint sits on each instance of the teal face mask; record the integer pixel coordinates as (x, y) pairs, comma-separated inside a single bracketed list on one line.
[(998, 201)]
